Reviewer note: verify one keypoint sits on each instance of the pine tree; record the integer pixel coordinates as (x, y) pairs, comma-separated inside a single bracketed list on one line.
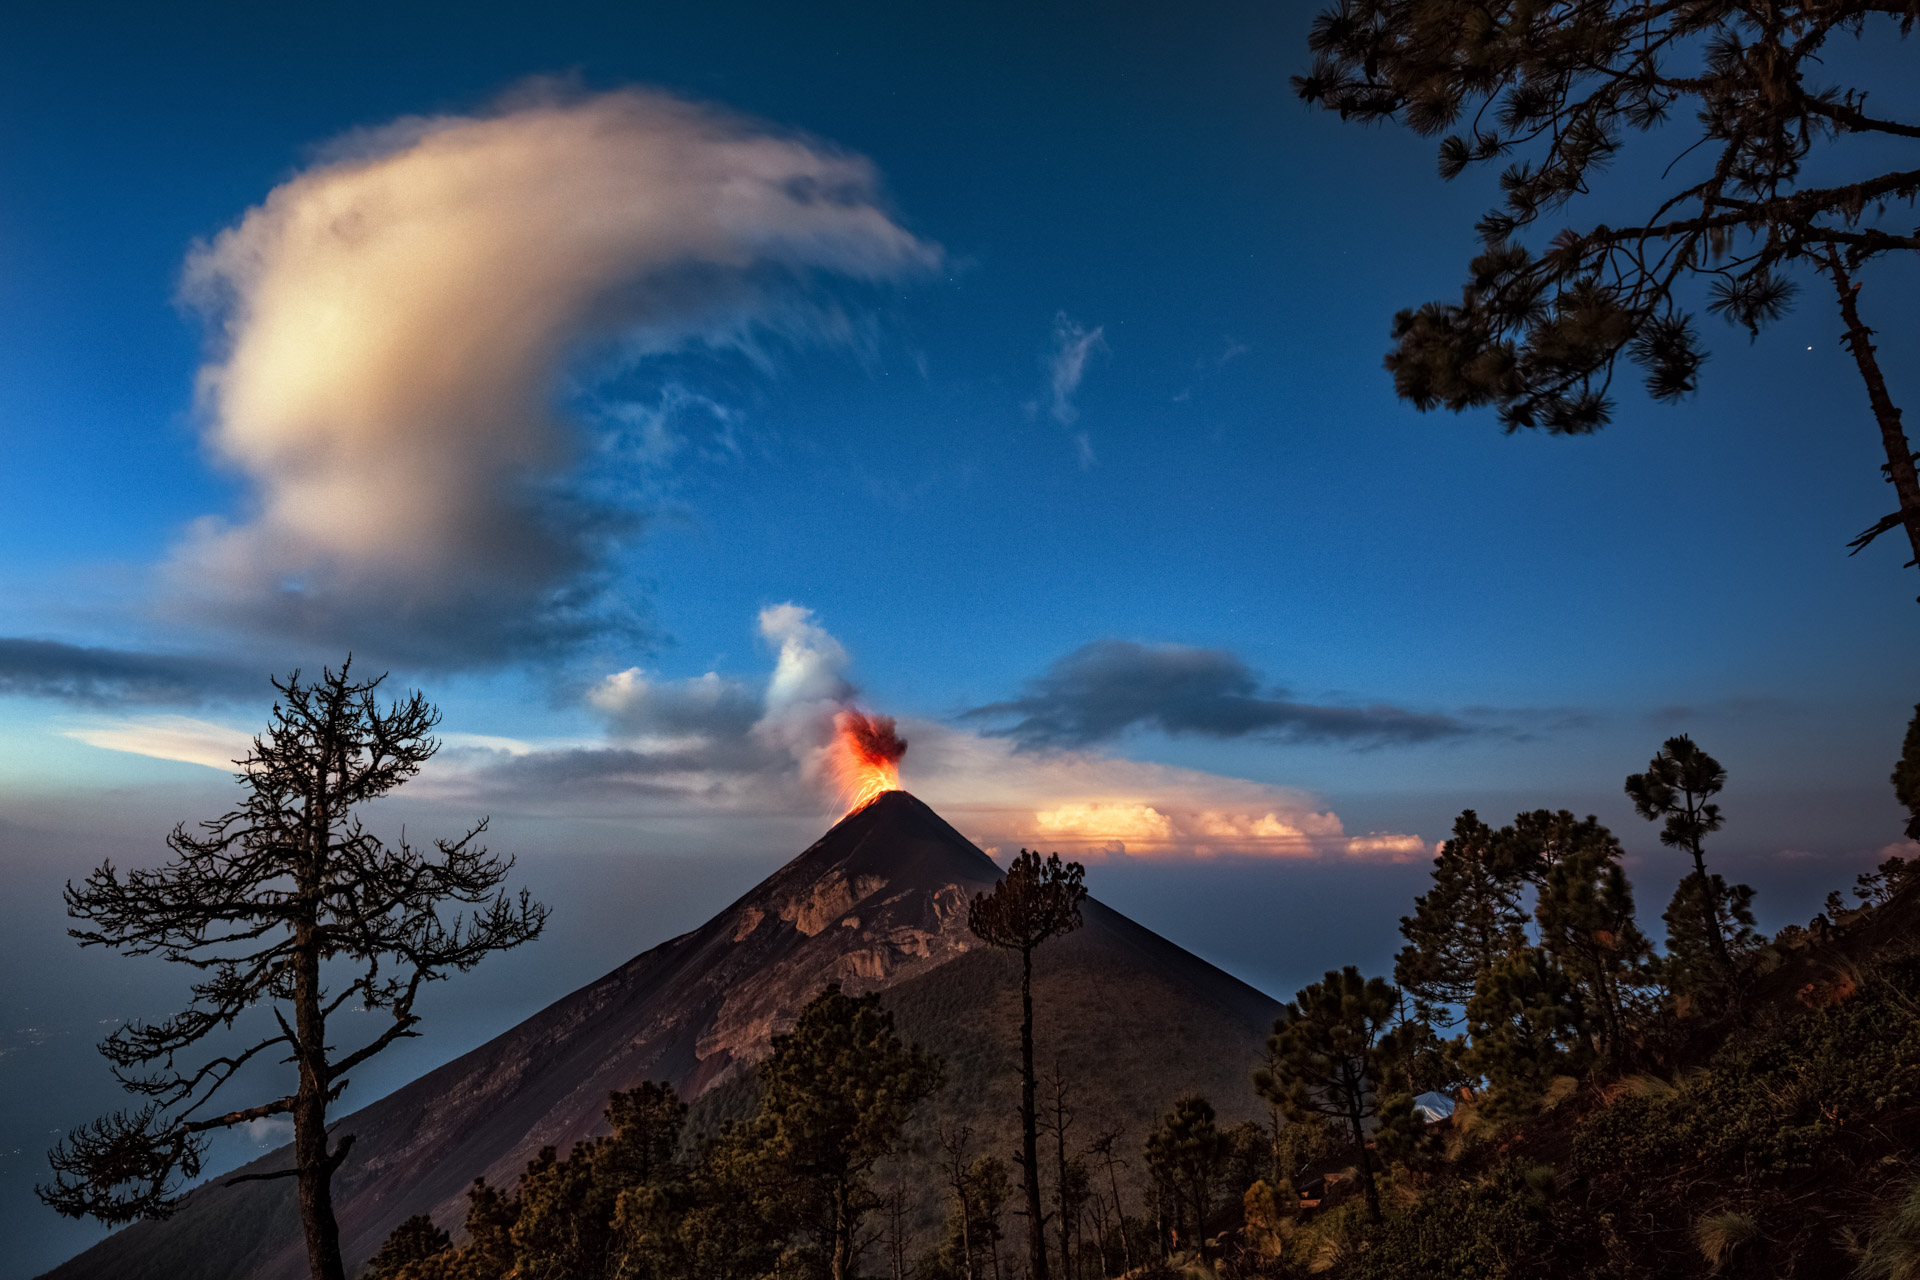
[(1333, 1054), (1906, 775), (412, 1243), (1524, 1023), (835, 1094), (1699, 956), (1464, 924), (269, 903), (1679, 786), (488, 1251), (1885, 882), (1585, 910), (724, 1218), (1034, 902), (566, 1229), (1188, 1154), (1782, 176), (980, 1189), (564, 1219)]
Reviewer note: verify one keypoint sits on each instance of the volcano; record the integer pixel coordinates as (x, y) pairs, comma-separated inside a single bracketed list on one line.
[(877, 904)]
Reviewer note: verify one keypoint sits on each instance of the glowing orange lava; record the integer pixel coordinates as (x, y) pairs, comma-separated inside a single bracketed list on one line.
[(866, 757)]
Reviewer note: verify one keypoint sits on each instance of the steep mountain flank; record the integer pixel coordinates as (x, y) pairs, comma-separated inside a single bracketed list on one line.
[(878, 903)]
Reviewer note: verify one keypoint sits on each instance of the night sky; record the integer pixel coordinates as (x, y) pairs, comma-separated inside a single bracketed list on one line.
[(646, 382)]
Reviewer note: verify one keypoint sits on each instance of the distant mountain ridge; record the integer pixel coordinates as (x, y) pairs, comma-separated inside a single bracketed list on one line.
[(877, 904)]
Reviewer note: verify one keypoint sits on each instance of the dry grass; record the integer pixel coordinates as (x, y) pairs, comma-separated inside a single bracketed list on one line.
[(1892, 1249), (1719, 1236)]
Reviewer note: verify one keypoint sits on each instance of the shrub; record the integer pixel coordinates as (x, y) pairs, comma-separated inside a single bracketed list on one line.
[(1498, 1226)]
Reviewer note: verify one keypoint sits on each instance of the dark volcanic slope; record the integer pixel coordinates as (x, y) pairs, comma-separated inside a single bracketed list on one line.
[(879, 903)]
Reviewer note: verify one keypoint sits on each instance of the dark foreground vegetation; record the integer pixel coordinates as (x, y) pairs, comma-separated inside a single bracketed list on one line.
[(1725, 1105), (1774, 142), (1536, 1090)]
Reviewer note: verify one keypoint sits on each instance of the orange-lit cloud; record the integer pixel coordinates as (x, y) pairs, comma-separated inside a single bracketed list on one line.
[(181, 738), (1389, 848), (1140, 823), (1091, 805)]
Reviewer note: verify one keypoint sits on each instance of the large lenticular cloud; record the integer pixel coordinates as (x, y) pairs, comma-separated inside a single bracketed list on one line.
[(396, 322)]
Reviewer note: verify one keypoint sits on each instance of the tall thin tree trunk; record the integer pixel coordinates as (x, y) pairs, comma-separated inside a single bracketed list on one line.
[(1366, 1156), (1029, 1123), (842, 1235), (1609, 1008), (897, 1213), (1202, 1196), (1060, 1186), (315, 1177), (966, 1228), (1858, 339), (1119, 1216), (1710, 910)]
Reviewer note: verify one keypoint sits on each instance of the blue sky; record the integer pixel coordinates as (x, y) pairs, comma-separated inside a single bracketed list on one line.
[(1076, 342)]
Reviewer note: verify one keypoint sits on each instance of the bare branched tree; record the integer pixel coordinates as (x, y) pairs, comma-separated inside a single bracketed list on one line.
[(1784, 167), (288, 902), (1059, 1119), (1103, 1147)]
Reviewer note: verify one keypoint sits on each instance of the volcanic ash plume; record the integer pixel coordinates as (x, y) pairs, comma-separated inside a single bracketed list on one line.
[(865, 757)]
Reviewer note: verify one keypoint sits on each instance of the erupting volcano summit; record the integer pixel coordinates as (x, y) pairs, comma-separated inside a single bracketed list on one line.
[(866, 757)]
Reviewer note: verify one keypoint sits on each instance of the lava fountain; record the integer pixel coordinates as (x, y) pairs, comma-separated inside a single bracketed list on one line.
[(865, 757)]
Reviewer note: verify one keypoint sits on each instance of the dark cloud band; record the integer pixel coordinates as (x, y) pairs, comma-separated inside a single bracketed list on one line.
[(1101, 690), (72, 673)]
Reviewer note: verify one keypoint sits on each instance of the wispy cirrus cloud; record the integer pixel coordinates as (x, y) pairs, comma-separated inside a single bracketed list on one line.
[(1104, 689), (1073, 347), (182, 738), (396, 323)]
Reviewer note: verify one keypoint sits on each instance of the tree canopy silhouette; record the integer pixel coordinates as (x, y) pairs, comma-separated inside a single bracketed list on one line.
[(835, 1094), (1769, 179), (1465, 923), (1906, 775), (1678, 786), (1188, 1154), (1034, 902), (1332, 1053), (286, 901), (1584, 906)]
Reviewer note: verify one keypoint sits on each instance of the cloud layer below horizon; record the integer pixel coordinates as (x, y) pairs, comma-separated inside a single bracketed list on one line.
[(396, 326)]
